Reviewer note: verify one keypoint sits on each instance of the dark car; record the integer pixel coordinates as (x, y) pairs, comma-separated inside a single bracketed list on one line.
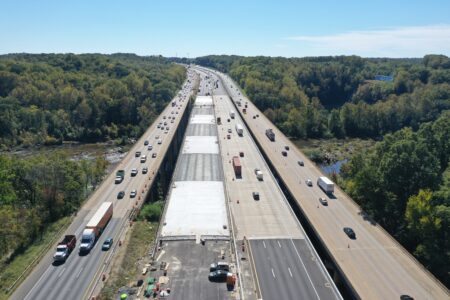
[(301, 163), (406, 297), (144, 170), (218, 276), (284, 153), (255, 195), (351, 234), (145, 143), (286, 147), (120, 195), (107, 244)]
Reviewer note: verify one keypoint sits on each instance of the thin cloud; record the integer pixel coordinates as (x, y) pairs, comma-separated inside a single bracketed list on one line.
[(392, 42)]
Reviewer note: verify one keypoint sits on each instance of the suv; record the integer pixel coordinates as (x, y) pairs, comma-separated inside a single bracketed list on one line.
[(351, 234)]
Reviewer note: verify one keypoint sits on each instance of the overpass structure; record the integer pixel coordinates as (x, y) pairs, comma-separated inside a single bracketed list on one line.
[(374, 265)]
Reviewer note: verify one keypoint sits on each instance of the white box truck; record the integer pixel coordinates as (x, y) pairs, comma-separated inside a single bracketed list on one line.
[(239, 129), (325, 184), (95, 227)]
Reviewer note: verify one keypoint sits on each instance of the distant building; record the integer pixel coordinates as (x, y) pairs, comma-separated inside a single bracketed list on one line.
[(384, 78)]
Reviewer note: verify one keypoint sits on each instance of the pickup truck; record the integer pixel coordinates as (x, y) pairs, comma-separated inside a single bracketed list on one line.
[(64, 248)]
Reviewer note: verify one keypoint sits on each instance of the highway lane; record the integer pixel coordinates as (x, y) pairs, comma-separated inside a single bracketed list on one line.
[(376, 266), (47, 280), (267, 221), (285, 271)]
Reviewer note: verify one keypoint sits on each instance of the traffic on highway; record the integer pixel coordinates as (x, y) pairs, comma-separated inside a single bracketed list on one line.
[(75, 270)]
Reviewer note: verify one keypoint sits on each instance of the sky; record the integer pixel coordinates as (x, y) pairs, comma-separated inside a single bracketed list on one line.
[(383, 28)]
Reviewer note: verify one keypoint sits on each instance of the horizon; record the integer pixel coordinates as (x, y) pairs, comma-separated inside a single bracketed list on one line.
[(404, 29)]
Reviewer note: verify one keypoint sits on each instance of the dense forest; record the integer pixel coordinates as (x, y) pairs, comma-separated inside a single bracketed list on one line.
[(403, 182), (38, 190), (336, 96), (51, 98)]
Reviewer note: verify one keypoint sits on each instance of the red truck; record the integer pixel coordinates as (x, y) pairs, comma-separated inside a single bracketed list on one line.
[(237, 166), (64, 248)]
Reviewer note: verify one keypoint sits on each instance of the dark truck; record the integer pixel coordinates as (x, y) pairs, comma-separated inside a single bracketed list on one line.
[(270, 134), (120, 174), (64, 248)]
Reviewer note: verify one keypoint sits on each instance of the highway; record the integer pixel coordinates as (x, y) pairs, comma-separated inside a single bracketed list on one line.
[(195, 210), (77, 277), (292, 269), (374, 265)]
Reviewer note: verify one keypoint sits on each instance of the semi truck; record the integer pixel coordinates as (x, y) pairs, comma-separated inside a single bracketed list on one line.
[(237, 166), (64, 248), (270, 134), (239, 129), (95, 227), (325, 184), (120, 174), (232, 114)]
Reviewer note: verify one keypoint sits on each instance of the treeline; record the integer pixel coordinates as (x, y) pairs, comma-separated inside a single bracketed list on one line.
[(404, 184), (39, 190), (50, 98), (337, 96)]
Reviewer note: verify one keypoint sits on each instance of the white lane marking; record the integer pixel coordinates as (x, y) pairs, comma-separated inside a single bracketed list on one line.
[(290, 273), (273, 273), (279, 244), (160, 254), (37, 283), (264, 244), (79, 273), (307, 274), (60, 273)]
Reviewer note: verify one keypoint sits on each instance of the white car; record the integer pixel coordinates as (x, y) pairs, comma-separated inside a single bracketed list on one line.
[(323, 201), (159, 142), (308, 182), (133, 193)]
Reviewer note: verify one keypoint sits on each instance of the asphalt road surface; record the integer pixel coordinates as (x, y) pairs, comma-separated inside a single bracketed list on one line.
[(266, 221), (287, 269), (374, 264)]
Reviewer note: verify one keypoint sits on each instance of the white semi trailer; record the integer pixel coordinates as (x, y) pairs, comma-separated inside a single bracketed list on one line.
[(325, 184)]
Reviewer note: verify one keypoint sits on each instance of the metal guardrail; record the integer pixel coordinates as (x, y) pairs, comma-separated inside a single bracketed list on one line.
[(40, 256)]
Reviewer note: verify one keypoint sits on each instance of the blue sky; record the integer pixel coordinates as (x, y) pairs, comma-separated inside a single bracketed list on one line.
[(394, 28)]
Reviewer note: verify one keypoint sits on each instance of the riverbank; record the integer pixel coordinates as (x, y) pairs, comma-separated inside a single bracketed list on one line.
[(331, 154)]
